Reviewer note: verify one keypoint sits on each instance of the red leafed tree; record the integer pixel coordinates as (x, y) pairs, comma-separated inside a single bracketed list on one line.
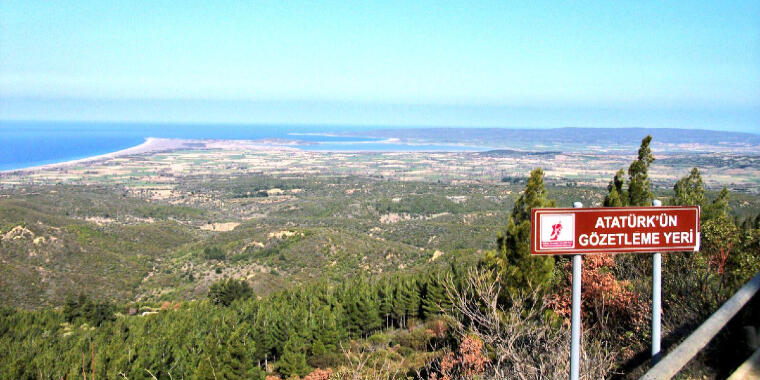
[(607, 302), (469, 362), (319, 374)]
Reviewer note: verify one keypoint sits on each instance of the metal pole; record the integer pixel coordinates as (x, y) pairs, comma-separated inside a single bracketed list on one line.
[(575, 321), (656, 299)]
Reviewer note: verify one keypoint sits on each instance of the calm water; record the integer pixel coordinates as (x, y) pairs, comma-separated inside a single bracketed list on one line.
[(26, 144)]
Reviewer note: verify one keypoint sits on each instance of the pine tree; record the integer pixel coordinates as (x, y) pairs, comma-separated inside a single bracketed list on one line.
[(279, 333), (719, 207), (385, 302), (533, 196), (362, 310), (88, 309), (327, 332), (639, 186), (512, 261), (318, 348), (293, 359), (638, 193), (262, 335), (689, 190), (204, 369), (371, 318), (435, 296), (617, 196), (224, 292), (71, 309), (400, 302), (235, 361), (413, 291)]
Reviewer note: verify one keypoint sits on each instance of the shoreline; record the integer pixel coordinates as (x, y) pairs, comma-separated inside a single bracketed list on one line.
[(151, 144), (158, 144)]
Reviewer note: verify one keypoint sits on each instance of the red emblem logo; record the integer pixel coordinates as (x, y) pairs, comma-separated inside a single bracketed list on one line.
[(556, 229)]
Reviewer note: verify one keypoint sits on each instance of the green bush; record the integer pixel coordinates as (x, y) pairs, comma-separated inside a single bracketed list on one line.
[(213, 253), (226, 291)]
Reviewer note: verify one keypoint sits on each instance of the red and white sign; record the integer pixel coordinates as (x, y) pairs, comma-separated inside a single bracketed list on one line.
[(561, 231)]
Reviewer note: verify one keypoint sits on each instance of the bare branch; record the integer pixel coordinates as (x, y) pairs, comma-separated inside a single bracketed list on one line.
[(521, 342)]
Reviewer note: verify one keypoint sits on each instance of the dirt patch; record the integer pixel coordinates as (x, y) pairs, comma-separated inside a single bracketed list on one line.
[(100, 221), (44, 240), (257, 244), (220, 227), (281, 234), (436, 255), (394, 218), (18, 232)]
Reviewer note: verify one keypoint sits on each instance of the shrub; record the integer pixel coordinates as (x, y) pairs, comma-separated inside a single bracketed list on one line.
[(379, 339), (225, 292), (213, 253)]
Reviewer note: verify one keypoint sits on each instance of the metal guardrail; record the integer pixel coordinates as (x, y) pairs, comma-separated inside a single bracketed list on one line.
[(675, 360)]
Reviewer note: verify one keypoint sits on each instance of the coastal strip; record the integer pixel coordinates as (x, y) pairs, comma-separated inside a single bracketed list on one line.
[(155, 144), (150, 145)]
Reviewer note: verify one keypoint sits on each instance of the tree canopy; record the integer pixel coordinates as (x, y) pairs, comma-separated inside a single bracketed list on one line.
[(512, 261)]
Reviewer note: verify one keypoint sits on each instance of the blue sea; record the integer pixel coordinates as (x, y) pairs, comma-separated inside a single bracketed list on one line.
[(26, 144)]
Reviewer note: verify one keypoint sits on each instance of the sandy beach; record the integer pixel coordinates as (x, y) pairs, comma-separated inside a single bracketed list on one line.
[(155, 144), (150, 145)]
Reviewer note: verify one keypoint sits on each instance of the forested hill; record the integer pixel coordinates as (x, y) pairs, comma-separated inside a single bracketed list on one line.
[(584, 138)]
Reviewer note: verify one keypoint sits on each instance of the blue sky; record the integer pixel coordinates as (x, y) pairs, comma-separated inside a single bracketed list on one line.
[(535, 64)]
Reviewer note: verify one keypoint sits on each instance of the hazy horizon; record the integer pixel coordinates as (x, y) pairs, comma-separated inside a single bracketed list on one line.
[(346, 127), (375, 115), (650, 64)]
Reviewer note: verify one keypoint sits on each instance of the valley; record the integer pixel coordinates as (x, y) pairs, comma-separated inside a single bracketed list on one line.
[(165, 225)]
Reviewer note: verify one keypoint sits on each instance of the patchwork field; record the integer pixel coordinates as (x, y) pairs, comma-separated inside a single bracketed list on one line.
[(167, 224)]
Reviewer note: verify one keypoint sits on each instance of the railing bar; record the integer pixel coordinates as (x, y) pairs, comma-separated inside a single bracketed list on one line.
[(674, 361)]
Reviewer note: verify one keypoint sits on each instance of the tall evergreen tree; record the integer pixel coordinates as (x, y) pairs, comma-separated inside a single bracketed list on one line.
[(400, 302), (224, 292), (71, 309), (385, 302), (512, 261), (413, 291), (689, 190), (719, 207), (362, 310), (617, 196), (236, 362), (533, 196), (638, 191), (328, 333), (293, 359), (435, 296), (279, 333), (639, 186)]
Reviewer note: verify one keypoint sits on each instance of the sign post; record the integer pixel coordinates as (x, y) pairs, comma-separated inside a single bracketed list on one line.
[(578, 231), (656, 298), (575, 319)]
